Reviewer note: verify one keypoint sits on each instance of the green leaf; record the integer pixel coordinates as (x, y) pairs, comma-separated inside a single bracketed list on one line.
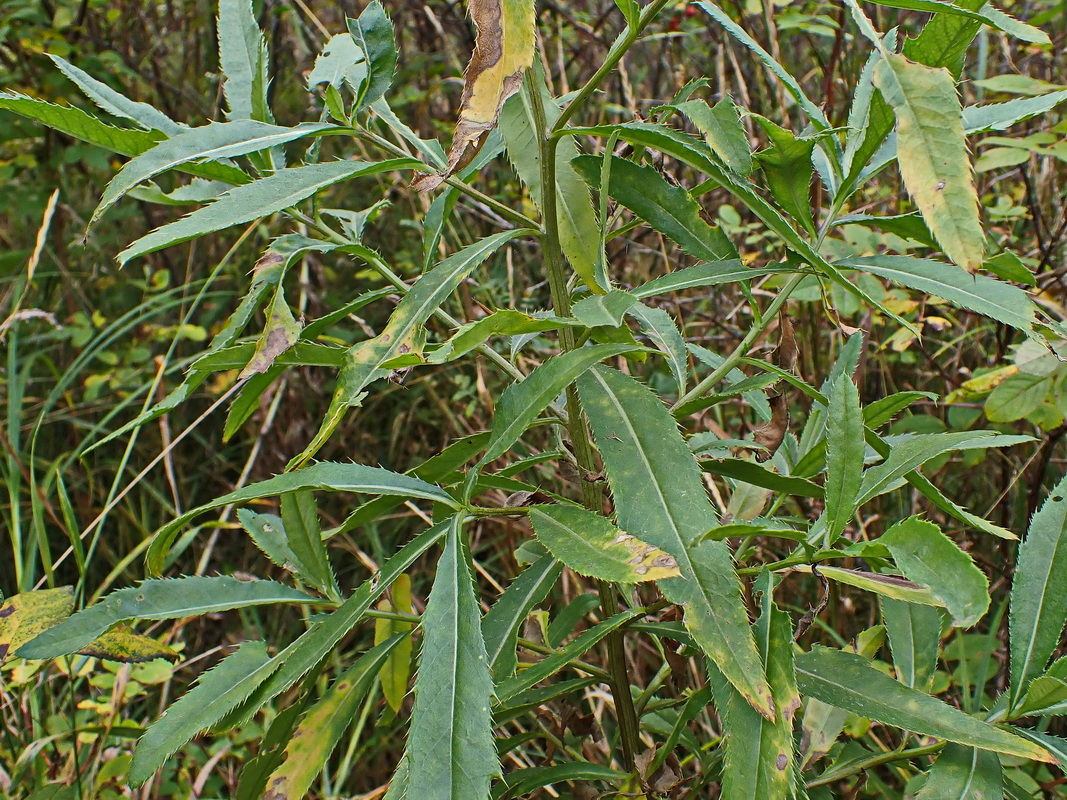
[(268, 534), (891, 586), (395, 673), (279, 335), (760, 759), (929, 558), (848, 681), (522, 782), (932, 154), (506, 322), (322, 727), (324, 476), (1046, 696), (963, 773), (1001, 116), (660, 497), (500, 626), (209, 143), (660, 327), (373, 32), (844, 456), (579, 230), (668, 209), (988, 14), (787, 168), (341, 61), (521, 402), (604, 309), (450, 749), (712, 273), (365, 362), (217, 691), (750, 472), (1018, 396), (300, 518), (284, 189), (1056, 745), (914, 633), (1039, 594), (118, 105), (243, 58), (722, 131), (590, 545), (173, 598)]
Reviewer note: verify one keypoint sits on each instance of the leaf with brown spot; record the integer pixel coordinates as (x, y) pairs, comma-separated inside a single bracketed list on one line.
[(503, 51), (124, 645), (280, 333), (25, 615)]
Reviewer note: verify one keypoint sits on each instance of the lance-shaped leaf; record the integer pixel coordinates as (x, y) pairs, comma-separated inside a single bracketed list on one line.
[(914, 633), (402, 337), (929, 558), (341, 61), (892, 586), (503, 51), (125, 646), (322, 727), (848, 681), (395, 673), (300, 518), (668, 209), (963, 773), (1039, 593), (324, 476), (522, 402), (932, 154), (500, 626), (787, 166), (722, 131), (711, 273), (604, 309), (844, 456), (451, 754), (373, 32), (158, 599), (590, 545), (660, 327), (506, 322), (217, 691), (284, 189), (660, 497), (209, 143), (243, 58)]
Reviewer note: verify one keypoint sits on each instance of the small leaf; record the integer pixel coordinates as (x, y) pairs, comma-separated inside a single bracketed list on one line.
[(787, 167), (660, 327), (844, 456), (590, 545), (604, 309), (279, 334), (1039, 593), (932, 154), (450, 750), (711, 273), (243, 58), (501, 625), (891, 586), (216, 692), (722, 131), (373, 32), (929, 558), (914, 633), (503, 51), (341, 61), (173, 598), (300, 518), (848, 681), (505, 322), (396, 671)]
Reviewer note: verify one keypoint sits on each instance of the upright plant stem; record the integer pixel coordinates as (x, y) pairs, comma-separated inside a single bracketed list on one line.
[(576, 424)]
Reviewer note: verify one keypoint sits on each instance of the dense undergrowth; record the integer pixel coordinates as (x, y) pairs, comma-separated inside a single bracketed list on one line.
[(752, 349)]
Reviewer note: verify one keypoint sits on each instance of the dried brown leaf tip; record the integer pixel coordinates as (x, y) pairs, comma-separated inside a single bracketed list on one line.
[(503, 51)]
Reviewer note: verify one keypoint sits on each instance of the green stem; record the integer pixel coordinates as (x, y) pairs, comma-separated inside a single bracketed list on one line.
[(629, 730)]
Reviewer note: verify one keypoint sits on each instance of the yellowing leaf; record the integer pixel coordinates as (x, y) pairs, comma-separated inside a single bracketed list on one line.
[(122, 644), (932, 154), (25, 615), (503, 51)]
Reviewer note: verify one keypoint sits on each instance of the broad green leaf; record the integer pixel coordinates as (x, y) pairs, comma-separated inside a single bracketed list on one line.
[(914, 633), (604, 309), (668, 209), (402, 336), (501, 625), (284, 189), (118, 105), (916, 450), (217, 691), (963, 773), (395, 673), (590, 545), (1046, 696), (508, 690), (506, 322), (988, 14), (373, 32), (172, 598), (450, 748), (844, 456), (722, 131), (760, 759), (579, 230), (712, 273), (26, 615), (521, 402), (503, 52), (341, 61), (243, 58), (660, 497), (300, 518), (1039, 594), (787, 167), (209, 143), (1018, 396), (660, 327), (929, 558), (932, 154), (848, 681), (323, 476), (322, 727), (125, 141)]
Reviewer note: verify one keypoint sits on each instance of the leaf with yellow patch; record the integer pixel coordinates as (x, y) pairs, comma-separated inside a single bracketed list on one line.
[(122, 644), (25, 615), (396, 671), (503, 51)]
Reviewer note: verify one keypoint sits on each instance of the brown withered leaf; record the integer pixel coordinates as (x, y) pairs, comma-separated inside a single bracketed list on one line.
[(503, 51)]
